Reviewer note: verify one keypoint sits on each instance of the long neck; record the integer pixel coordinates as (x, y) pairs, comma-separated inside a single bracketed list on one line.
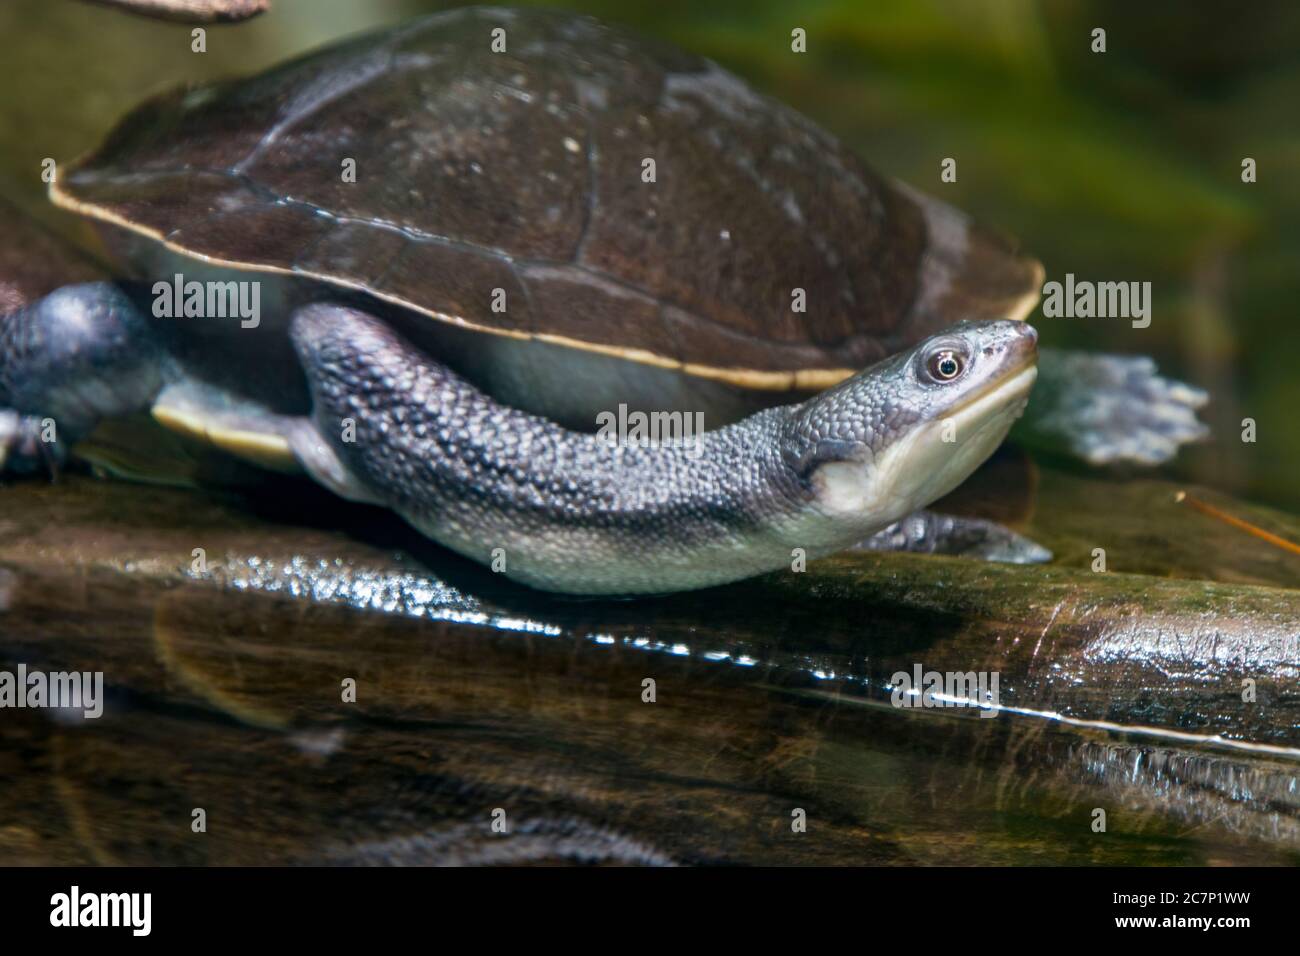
[(557, 509)]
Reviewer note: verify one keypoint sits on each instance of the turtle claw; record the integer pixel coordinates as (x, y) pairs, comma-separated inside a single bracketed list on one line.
[(52, 460), (10, 436), (22, 450), (1114, 409)]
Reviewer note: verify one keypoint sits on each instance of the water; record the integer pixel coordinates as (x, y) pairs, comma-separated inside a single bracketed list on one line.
[(225, 693)]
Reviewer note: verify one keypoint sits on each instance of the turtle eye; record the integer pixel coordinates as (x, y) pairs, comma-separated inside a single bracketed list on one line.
[(944, 365)]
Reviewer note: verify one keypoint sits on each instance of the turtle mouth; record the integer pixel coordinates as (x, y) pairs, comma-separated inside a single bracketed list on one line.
[(1009, 387)]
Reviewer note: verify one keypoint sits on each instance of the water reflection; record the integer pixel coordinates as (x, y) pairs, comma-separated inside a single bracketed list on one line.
[(229, 700)]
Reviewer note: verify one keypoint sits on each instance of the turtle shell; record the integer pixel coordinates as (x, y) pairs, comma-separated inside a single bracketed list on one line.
[(584, 187)]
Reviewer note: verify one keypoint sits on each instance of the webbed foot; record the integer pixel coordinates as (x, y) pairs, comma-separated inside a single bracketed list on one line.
[(928, 532), (1110, 409)]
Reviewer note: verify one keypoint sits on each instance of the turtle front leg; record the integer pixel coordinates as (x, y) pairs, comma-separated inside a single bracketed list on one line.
[(929, 532), (1109, 409), (81, 354)]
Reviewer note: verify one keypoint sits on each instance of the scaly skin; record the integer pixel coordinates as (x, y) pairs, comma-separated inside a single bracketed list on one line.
[(565, 511)]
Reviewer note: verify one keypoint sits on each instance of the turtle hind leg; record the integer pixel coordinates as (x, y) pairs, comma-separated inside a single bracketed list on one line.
[(25, 446), (248, 430), (1109, 409), (81, 354), (929, 532)]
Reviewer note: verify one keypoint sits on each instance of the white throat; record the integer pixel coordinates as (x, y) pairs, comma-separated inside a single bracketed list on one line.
[(927, 463)]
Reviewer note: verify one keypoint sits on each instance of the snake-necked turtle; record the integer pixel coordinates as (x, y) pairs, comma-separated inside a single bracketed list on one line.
[(464, 256)]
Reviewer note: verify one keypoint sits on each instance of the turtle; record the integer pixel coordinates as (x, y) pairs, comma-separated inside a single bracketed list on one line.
[(467, 238)]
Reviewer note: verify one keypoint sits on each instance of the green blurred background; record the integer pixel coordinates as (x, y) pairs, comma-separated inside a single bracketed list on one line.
[(1117, 166)]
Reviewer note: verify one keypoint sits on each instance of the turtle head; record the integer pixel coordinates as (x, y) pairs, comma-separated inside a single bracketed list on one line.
[(899, 435)]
